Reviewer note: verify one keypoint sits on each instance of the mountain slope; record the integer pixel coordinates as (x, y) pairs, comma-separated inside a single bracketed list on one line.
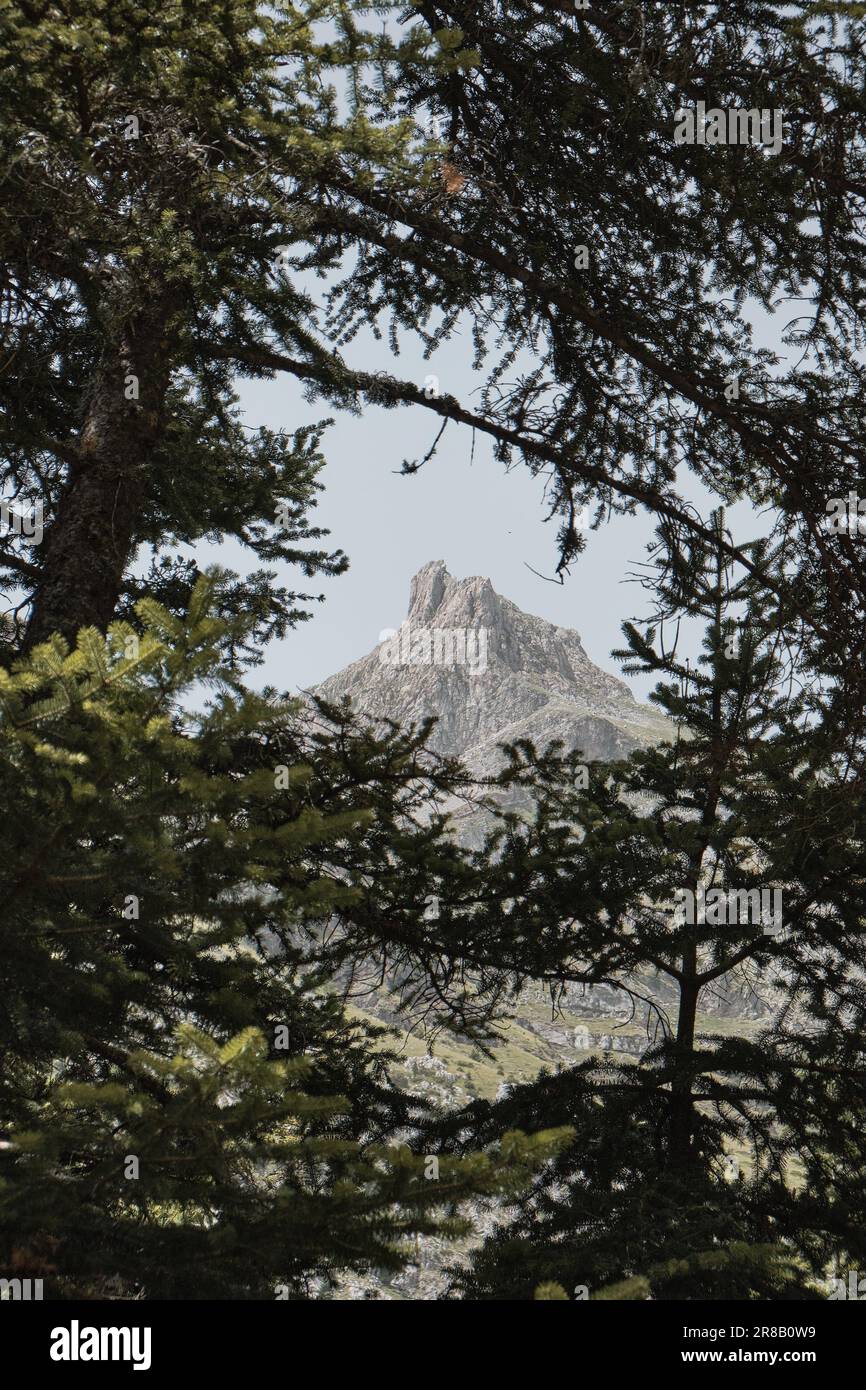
[(490, 674)]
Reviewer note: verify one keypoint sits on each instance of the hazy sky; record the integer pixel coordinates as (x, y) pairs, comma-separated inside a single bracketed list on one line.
[(478, 518)]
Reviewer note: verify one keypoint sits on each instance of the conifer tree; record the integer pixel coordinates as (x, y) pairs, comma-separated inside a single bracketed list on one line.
[(622, 265), (187, 1108), (173, 177), (692, 1150), (172, 880), (192, 166)]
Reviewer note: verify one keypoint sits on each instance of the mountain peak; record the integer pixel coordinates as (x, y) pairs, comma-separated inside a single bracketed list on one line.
[(427, 589), (490, 673), (436, 596)]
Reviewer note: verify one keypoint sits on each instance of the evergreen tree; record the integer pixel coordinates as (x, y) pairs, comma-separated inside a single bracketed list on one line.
[(161, 173), (187, 1108), (656, 872), (173, 178), (621, 267), (193, 168)]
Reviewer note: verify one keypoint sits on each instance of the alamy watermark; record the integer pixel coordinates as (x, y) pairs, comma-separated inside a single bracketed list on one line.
[(435, 646), (21, 1290), (695, 125), (846, 515), (854, 1290), (77, 1343), (22, 520), (718, 907)]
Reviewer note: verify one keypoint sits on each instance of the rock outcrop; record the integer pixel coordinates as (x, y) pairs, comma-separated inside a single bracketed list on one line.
[(491, 674)]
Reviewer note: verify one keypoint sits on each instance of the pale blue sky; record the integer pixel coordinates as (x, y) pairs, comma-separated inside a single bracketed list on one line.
[(478, 518)]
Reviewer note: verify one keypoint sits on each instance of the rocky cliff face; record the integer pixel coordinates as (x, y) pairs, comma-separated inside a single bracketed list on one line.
[(491, 674)]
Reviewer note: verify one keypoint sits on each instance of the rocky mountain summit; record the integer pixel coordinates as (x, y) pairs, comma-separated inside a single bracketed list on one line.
[(491, 674)]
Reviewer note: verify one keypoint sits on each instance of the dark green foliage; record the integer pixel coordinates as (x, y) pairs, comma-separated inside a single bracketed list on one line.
[(611, 1218), (180, 890), (586, 892), (160, 1000)]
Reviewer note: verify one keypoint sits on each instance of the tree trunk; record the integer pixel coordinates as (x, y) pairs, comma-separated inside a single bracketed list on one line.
[(91, 540), (681, 1088)]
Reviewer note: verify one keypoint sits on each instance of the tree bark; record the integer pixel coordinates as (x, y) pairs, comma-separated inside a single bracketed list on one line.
[(90, 542), (681, 1088)]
